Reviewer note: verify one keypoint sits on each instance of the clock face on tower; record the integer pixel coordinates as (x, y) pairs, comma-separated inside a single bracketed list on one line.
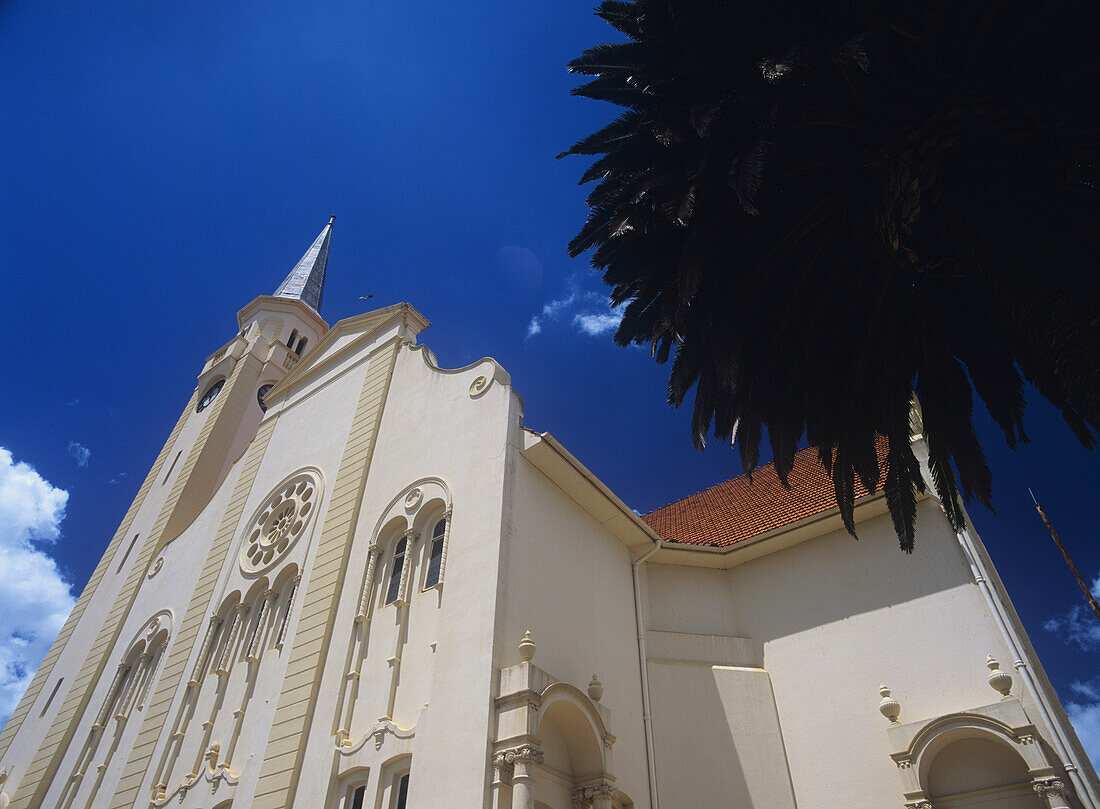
[(210, 395), (261, 393)]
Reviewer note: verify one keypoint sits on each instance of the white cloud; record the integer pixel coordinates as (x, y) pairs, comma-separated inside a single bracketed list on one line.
[(121, 476), (35, 598), (74, 402), (80, 453), (1089, 690), (588, 312), (1085, 717), (556, 307), (599, 323), (1078, 626)]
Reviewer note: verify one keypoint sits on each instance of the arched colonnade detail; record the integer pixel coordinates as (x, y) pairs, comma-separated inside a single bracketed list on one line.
[(399, 557), (127, 693), (553, 745), (1001, 731)]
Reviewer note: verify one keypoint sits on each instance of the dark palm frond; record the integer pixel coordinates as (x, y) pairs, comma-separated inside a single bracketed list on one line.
[(816, 210)]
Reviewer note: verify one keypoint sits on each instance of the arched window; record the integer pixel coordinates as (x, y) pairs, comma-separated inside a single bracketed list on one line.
[(290, 340), (394, 589), (435, 554), (261, 393), (301, 347)]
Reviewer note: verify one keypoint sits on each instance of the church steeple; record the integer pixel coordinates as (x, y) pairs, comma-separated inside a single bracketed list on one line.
[(306, 282)]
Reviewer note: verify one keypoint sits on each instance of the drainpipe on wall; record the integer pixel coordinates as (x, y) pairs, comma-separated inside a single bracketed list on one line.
[(647, 719), (1061, 743)]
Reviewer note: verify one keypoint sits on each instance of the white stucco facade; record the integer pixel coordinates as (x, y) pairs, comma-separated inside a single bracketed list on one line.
[(322, 605)]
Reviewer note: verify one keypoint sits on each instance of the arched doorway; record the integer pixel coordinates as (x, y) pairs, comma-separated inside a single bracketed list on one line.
[(990, 757), (980, 771)]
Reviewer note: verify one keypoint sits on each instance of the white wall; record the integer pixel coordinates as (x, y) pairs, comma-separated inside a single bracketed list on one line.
[(836, 617), (568, 581), (431, 427)]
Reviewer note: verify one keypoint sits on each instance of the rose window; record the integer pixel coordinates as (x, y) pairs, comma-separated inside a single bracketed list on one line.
[(279, 523)]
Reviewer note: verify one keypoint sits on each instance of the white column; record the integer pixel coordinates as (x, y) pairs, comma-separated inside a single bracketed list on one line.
[(229, 654), (523, 760), (200, 663), (104, 711), (286, 615), (1052, 791), (500, 769), (254, 654), (411, 538), (597, 796), (603, 795), (365, 599)]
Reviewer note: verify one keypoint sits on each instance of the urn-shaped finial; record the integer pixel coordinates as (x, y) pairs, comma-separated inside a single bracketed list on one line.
[(595, 689), (888, 706), (998, 680), (526, 647)]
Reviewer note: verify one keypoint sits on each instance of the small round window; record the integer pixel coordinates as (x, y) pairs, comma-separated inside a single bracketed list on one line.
[(210, 395), (261, 393)]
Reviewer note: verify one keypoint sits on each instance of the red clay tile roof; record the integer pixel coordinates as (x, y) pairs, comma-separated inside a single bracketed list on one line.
[(736, 510)]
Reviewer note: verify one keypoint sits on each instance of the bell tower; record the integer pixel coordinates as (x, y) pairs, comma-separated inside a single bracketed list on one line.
[(218, 423)]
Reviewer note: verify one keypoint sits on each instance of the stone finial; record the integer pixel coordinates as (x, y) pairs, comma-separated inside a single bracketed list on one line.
[(888, 707), (595, 689), (998, 680), (527, 647)]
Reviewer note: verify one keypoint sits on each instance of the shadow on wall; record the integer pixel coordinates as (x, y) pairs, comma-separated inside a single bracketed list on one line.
[(703, 762), (824, 580)]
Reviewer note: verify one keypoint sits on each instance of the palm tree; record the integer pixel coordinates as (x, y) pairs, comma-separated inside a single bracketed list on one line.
[(821, 209)]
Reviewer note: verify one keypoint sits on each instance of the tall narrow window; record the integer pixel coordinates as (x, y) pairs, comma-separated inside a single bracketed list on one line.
[(53, 694), (126, 555), (402, 792), (435, 554), (395, 571), (357, 797), (290, 340), (301, 347), (170, 468)]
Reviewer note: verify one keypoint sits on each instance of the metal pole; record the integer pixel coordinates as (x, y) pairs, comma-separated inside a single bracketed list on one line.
[(1073, 568)]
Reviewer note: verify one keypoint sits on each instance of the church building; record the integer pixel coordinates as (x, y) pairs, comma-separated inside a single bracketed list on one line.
[(353, 579)]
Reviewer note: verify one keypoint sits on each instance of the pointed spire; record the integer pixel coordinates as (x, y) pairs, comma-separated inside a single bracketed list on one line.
[(306, 281)]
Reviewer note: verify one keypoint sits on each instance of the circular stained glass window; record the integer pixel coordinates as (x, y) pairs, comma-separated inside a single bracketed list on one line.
[(261, 393), (279, 523), (210, 395)]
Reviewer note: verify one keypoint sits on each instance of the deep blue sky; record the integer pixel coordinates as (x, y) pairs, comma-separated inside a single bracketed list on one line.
[(162, 164)]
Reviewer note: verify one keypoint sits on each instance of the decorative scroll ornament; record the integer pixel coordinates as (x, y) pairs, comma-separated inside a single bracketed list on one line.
[(584, 796), (1051, 786), (412, 499), (279, 522), (521, 755), (479, 386)]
